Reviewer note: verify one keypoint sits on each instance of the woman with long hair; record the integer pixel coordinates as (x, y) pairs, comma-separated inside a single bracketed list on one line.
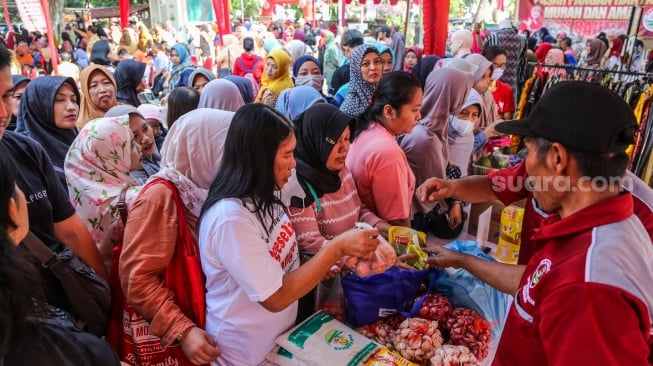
[(181, 101), (247, 243), (48, 113)]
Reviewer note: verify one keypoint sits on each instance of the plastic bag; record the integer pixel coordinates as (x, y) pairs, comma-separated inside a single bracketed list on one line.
[(322, 340), (385, 357), (465, 290), (376, 262), (330, 298), (405, 240)]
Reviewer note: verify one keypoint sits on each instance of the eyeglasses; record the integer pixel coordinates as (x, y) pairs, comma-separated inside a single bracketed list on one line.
[(499, 66)]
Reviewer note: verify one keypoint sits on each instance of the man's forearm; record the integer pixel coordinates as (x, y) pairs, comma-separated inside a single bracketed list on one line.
[(473, 189), (503, 277)]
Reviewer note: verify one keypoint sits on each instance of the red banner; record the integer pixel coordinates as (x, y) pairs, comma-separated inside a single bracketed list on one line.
[(577, 17), (222, 16)]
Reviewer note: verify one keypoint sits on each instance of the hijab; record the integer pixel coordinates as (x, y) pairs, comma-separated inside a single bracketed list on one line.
[(192, 154), (360, 91), (100, 53), (300, 61), (595, 50), (542, 50), (317, 131), (97, 171), (221, 94), (294, 101), (283, 80), (418, 53), (555, 56), (489, 109), (244, 86), (129, 74), (296, 49), (89, 111), (424, 68), (208, 74), (185, 63), (427, 147), (382, 48), (17, 80), (36, 118)]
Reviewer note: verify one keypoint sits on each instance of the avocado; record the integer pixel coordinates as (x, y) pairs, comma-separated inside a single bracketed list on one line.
[(484, 161)]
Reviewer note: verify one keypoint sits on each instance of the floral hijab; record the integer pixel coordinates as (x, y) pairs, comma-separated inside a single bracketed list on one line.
[(192, 154), (97, 170), (283, 80), (360, 91)]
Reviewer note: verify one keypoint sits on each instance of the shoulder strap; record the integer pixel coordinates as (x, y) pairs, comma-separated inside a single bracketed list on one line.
[(122, 206), (175, 195), (39, 249)]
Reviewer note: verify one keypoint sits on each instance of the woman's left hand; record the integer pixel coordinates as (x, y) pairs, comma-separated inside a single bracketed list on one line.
[(455, 215)]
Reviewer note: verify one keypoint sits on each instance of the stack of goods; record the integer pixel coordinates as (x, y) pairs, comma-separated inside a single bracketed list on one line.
[(497, 158), (439, 334)]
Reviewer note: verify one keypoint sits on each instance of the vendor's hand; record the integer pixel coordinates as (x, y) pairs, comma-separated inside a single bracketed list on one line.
[(434, 189), (444, 257), (333, 271), (357, 242), (199, 347), (455, 215), (402, 259)]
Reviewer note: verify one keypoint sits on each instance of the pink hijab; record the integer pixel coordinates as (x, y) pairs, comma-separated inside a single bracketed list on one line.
[(427, 147), (555, 56)]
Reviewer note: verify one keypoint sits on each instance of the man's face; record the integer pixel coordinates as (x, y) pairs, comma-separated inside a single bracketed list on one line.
[(547, 187), (6, 86)]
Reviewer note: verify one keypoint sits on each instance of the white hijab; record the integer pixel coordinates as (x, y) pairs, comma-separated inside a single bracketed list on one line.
[(192, 154)]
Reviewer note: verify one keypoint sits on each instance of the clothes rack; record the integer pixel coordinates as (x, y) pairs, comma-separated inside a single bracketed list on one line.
[(589, 69)]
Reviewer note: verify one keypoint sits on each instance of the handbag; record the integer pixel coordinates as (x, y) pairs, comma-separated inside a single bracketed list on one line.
[(224, 71), (88, 294), (377, 296), (129, 333)]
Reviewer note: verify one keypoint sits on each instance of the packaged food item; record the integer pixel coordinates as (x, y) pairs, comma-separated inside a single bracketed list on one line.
[(385, 357), (510, 237), (405, 240), (322, 340), (376, 262)]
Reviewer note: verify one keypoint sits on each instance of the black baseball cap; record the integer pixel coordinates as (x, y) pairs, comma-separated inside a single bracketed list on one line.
[(580, 115)]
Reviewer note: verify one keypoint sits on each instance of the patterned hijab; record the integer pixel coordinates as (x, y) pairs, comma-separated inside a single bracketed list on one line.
[(360, 91), (294, 101), (427, 147), (97, 171), (36, 117), (283, 80), (89, 111), (317, 130), (192, 154), (221, 94)]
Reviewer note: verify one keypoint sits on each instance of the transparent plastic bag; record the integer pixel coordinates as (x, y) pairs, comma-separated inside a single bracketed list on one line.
[(376, 262), (330, 298)]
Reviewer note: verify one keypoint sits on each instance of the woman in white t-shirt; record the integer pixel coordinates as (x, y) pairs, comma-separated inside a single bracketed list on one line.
[(247, 243)]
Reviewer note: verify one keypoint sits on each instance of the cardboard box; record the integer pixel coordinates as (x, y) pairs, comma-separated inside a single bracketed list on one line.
[(495, 221)]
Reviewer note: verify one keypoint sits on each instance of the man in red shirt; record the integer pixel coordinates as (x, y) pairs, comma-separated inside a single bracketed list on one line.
[(585, 295)]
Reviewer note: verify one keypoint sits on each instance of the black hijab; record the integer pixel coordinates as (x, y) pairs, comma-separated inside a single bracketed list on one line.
[(317, 131), (100, 53), (129, 74), (424, 68), (17, 80), (36, 118)]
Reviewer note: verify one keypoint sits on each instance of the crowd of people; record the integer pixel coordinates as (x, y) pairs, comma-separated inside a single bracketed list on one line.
[(273, 142)]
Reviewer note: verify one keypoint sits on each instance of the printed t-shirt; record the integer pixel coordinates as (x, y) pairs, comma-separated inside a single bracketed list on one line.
[(244, 266), (504, 98)]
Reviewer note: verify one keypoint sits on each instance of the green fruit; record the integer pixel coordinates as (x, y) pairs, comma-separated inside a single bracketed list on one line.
[(484, 161), (502, 164)]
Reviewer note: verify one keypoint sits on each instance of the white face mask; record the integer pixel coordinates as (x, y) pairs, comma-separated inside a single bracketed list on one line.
[(315, 81), (459, 126), (291, 189), (497, 73)]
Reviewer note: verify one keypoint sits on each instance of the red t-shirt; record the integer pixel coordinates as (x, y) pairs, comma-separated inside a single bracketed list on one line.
[(504, 98)]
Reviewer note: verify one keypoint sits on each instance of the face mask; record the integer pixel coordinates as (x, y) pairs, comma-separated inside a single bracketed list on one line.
[(315, 81), (459, 126), (291, 189), (497, 73)]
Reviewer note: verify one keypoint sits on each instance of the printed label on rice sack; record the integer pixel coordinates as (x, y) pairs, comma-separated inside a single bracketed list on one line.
[(321, 339)]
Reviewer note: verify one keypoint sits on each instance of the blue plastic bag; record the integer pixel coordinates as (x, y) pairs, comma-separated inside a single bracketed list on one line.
[(465, 290), (377, 296)]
